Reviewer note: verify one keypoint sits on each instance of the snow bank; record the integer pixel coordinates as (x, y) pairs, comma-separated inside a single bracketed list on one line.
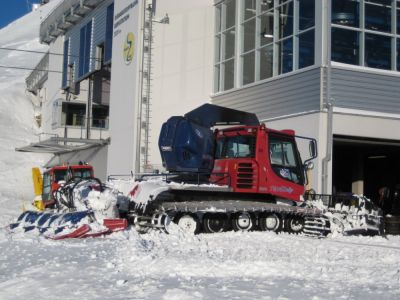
[(17, 127)]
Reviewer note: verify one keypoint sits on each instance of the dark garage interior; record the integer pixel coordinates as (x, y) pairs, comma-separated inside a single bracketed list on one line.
[(368, 166)]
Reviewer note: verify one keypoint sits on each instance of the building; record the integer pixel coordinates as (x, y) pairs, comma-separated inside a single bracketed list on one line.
[(328, 69), (117, 71)]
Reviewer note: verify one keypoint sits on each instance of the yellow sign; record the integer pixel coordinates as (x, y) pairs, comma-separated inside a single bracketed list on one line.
[(129, 48)]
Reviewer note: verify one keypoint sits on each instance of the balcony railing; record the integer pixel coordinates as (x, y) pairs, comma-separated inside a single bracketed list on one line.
[(65, 15), (39, 75)]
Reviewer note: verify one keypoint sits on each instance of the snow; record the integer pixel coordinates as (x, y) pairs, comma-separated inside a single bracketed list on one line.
[(155, 265)]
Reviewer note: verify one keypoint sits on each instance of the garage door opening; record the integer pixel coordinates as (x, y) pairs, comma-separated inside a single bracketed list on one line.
[(366, 166)]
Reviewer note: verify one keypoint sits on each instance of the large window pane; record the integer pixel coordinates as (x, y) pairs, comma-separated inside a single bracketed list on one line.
[(65, 82), (218, 48), (398, 18), (109, 33), (345, 12), (267, 27), (266, 62), (230, 13), (398, 55), (84, 50), (217, 78), (229, 74), (73, 114), (285, 56), (307, 14), (377, 51), (345, 46), (286, 20), (248, 68), (249, 40), (249, 9), (306, 49), (377, 17), (229, 44)]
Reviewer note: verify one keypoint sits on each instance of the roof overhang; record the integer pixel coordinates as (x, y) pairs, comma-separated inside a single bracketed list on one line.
[(59, 145), (64, 16)]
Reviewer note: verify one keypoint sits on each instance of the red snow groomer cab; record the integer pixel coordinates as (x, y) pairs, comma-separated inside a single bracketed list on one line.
[(256, 159), (54, 176)]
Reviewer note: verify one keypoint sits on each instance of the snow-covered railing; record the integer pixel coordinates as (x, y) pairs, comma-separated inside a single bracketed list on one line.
[(39, 75), (64, 16)]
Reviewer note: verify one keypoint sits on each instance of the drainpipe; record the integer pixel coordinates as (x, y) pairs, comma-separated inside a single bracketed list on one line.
[(329, 144)]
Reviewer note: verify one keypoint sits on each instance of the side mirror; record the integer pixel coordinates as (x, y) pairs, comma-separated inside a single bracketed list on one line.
[(313, 148)]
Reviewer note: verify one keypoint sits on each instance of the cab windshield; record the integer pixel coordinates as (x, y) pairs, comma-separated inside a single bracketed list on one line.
[(285, 159), (235, 147)]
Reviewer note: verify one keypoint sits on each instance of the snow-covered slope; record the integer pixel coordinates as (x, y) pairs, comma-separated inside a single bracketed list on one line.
[(17, 126)]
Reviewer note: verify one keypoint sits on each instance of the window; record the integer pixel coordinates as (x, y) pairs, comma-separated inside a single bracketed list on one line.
[(225, 46), (286, 20), (248, 67), (306, 14), (259, 39), (235, 147), (82, 173), (109, 33), (345, 46), (266, 62), (84, 49), (377, 17), (372, 33), (100, 116), (284, 159), (249, 29), (229, 74), (46, 186), (65, 82), (306, 49), (346, 12), (398, 17), (73, 114), (285, 52), (377, 51), (398, 53)]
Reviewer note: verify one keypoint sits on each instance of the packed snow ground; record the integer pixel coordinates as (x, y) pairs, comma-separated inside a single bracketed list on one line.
[(158, 266), (230, 265)]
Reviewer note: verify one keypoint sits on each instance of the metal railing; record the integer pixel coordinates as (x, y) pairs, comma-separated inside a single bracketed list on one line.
[(60, 14), (39, 75)]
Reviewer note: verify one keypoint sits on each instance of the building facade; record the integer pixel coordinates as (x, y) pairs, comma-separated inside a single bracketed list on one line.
[(117, 71), (328, 69)]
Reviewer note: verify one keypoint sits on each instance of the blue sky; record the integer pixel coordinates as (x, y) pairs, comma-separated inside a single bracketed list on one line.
[(13, 9)]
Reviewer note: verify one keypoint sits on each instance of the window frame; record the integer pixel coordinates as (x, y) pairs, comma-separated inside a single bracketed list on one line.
[(258, 46), (363, 30)]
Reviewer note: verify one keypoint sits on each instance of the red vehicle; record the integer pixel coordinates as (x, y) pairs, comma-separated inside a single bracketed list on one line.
[(54, 176), (256, 159), (250, 176)]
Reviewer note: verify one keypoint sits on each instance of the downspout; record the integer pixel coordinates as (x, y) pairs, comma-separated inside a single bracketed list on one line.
[(329, 143), (328, 103)]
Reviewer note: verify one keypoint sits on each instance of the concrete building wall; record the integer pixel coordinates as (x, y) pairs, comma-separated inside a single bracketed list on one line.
[(182, 63), (181, 75), (124, 93)]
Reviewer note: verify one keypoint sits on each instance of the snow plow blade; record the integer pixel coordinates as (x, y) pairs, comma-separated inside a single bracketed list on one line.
[(56, 226)]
